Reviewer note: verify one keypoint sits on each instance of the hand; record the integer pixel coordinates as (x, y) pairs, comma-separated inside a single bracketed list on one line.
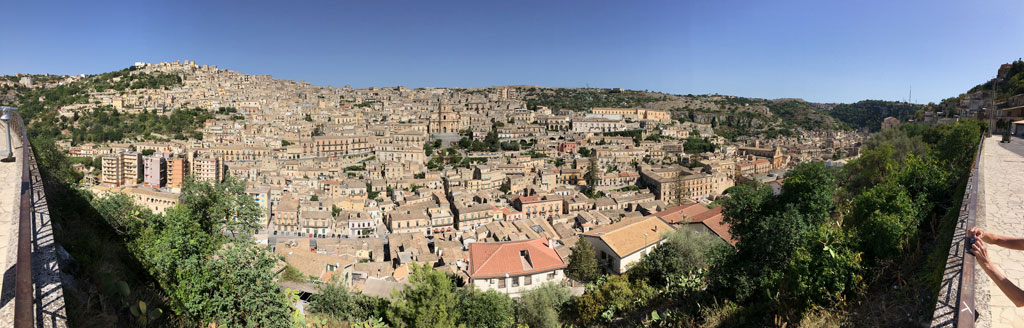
[(980, 253), (980, 235)]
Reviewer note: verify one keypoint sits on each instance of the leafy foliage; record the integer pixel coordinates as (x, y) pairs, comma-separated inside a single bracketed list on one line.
[(539, 307), (334, 299), (886, 218), (696, 145), (235, 287), (870, 113), (582, 262), (609, 298), (208, 277), (683, 252), (485, 309), (1012, 84), (791, 254), (584, 99), (801, 114), (429, 300)]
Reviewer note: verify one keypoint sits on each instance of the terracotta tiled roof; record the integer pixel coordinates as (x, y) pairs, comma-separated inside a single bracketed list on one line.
[(527, 199), (496, 259), (627, 236), (716, 225), (707, 214), (681, 213)]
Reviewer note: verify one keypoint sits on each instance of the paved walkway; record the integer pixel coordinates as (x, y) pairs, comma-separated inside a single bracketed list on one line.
[(10, 201), (1001, 211)]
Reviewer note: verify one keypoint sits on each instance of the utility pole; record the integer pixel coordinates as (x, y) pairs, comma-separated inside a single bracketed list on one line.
[(992, 109)]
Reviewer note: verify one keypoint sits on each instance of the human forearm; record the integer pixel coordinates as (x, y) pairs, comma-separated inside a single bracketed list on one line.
[(1003, 241), (1014, 293)]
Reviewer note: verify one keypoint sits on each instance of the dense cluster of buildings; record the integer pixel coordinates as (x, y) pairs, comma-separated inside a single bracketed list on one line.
[(358, 184)]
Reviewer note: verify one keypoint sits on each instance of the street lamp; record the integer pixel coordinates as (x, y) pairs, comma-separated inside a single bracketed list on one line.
[(6, 117)]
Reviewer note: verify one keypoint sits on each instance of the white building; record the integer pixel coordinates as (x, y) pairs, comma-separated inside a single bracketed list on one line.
[(620, 245), (514, 267)]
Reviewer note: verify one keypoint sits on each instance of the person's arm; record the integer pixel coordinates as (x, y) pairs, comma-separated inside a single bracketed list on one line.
[(998, 240), (1014, 293)]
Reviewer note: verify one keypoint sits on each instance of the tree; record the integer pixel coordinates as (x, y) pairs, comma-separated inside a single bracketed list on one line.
[(811, 188), (684, 251), (582, 262), (538, 308), (485, 309), (825, 270), (506, 186), (956, 144), (885, 218), (583, 151), (428, 301), (593, 173), (767, 232), (223, 205), (611, 298), (695, 144), (234, 288), (428, 148), (677, 187), (97, 163), (335, 300)]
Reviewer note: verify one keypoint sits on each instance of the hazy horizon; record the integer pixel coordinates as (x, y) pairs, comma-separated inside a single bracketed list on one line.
[(820, 52)]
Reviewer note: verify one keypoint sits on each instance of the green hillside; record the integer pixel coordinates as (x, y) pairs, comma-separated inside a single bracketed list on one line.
[(870, 113), (1012, 84)]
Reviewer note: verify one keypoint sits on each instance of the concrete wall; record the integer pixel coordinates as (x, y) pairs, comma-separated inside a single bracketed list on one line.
[(485, 284)]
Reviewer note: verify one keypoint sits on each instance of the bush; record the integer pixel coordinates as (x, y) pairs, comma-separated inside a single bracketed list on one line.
[(684, 251), (611, 298), (885, 219), (538, 308), (485, 309)]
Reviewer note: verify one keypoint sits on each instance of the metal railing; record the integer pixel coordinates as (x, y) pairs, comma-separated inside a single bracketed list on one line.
[(955, 304), (23, 302)]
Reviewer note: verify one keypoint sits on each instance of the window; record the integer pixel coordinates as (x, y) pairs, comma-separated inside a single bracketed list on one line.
[(515, 282), (528, 280), (551, 276), (501, 283)]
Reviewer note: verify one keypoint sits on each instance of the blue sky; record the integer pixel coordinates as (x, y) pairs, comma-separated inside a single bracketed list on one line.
[(825, 51)]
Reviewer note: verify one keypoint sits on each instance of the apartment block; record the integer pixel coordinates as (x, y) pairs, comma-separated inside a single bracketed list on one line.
[(121, 169), (155, 172), (208, 168), (177, 169)]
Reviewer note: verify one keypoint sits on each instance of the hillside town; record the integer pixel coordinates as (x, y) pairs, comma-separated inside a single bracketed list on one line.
[(357, 184)]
